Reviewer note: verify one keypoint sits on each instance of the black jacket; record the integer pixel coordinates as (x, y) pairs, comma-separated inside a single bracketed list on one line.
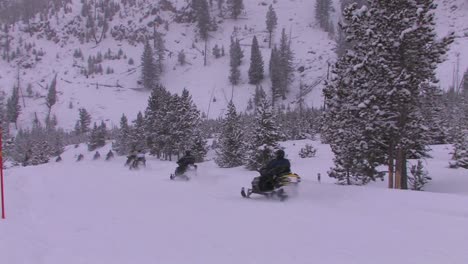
[(276, 167), (186, 160)]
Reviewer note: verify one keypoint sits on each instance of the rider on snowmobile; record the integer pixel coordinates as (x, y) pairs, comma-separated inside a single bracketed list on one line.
[(275, 167), (184, 162)]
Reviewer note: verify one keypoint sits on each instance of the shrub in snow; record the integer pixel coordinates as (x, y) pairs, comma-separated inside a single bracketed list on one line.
[(419, 177), (307, 152), (460, 153), (181, 57)]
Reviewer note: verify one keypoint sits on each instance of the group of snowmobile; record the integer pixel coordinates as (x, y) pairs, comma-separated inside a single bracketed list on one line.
[(276, 180)]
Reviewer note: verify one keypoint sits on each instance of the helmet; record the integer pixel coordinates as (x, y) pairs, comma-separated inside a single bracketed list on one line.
[(279, 154)]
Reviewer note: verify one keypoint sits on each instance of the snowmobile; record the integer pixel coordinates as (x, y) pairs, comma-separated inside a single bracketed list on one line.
[(133, 162), (283, 185), (186, 174)]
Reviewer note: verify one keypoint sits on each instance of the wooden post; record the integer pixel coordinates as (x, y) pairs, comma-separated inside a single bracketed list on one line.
[(1, 177)]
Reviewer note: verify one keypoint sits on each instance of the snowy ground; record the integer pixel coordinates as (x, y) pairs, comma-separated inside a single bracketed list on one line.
[(100, 212)]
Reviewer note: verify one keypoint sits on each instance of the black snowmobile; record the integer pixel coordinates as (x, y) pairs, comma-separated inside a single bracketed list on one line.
[(278, 188), (184, 173)]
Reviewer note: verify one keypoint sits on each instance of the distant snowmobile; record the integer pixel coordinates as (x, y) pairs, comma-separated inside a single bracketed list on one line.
[(283, 186), (189, 172)]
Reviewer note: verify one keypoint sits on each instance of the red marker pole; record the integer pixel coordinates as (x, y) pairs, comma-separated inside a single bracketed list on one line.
[(1, 177)]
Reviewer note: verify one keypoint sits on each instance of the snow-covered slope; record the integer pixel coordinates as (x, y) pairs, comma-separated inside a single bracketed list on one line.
[(210, 86), (101, 212)]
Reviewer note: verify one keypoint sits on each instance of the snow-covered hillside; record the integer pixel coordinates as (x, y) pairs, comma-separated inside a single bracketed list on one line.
[(107, 96), (101, 212)]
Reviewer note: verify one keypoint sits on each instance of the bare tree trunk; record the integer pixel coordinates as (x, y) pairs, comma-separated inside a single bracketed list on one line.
[(204, 59), (269, 41), (399, 168), (404, 172), (390, 167)]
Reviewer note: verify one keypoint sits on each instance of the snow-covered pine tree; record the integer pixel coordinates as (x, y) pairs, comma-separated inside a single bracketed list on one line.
[(356, 153), (276, 74), (264, 139), (5, 128), (189, 128), (259, 95), (181, 57), (160, 51), (199, 144), (235, 7), (460, 148), (121, 145), (230, 151), (13, 106), (203, 18), (286, 58), (82, 125), (387, 84), (432, 112), (256, 63), (236, 56), (419, 177), (156, 130), (93, 138), (271, 22), (40, 150), (465, 81), (51, 98), (322, 14), (149, 71), (216, 51), (137, 139), (189, 121)]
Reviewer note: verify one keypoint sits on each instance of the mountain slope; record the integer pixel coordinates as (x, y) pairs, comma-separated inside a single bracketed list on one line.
[(107, 96)]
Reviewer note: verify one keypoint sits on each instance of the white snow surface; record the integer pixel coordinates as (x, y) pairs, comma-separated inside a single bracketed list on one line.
[(101, 212)]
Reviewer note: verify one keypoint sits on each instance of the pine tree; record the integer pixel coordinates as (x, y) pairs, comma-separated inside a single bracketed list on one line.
[(286, 58), (276, 74), (271, 22), (149, 71), (374, 102), (83, 122), (259, 96), (203, 18), (322, 13), (93, 138), (160, 51), (216, 51), (460, 152), (137, 138), (51, 98), (98, 136), (155, 129), (464, 86), (419, 177), (13, 106), (230, 152), (432, 112), (235, 7), (181, 57), (199, 145), (236, 56), (256, 63), (265, 137), (121, 145)]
